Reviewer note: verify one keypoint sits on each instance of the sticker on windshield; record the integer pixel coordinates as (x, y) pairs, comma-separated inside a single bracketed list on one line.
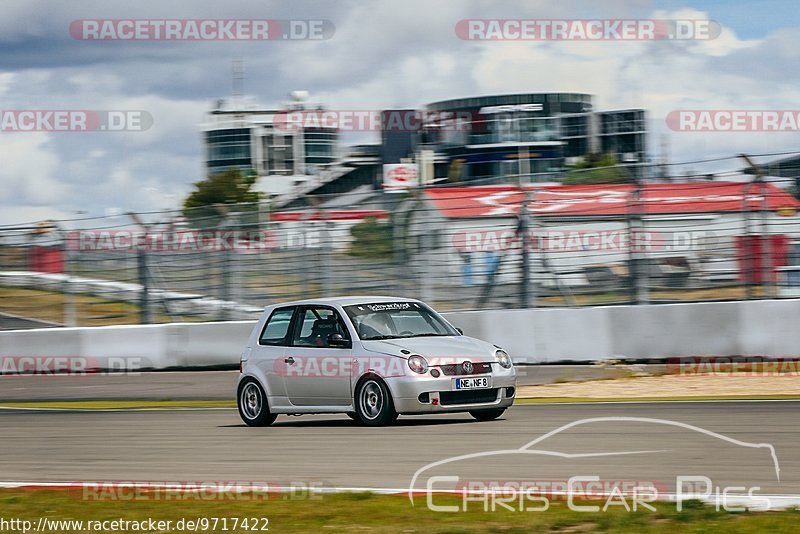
[(386, 306)]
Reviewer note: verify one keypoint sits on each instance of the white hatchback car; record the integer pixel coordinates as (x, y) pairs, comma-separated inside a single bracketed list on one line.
[(371, 358)]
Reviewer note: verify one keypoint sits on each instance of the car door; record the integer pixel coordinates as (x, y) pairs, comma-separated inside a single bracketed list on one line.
[(270, 352), (318, 374)]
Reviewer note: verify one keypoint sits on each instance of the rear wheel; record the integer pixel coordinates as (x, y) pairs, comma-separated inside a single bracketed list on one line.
[(487, 415), (252, 403), (374, 405)]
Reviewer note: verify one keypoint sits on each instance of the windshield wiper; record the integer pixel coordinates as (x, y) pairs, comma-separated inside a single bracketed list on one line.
[(429, 334), (375, 338)]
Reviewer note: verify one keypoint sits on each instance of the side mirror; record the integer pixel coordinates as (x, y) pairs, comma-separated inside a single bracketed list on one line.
[(338, 341), (461, 332)]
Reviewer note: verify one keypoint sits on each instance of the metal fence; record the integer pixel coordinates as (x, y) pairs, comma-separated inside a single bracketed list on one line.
[(457, 247)]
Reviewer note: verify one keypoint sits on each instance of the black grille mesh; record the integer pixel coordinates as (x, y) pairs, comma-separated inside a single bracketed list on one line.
[(452, 369), (476, 396)]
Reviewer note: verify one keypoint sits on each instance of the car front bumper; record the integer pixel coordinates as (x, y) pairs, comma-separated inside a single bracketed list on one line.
[(443, 398)]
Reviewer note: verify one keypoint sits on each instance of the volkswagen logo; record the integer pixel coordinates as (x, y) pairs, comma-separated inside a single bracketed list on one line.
[(467, 367)]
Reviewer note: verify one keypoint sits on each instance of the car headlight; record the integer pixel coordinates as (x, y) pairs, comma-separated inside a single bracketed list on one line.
[(503, 358), (418, 364)]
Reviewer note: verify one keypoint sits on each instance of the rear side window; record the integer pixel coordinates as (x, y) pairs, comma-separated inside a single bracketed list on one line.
[(277, 327)]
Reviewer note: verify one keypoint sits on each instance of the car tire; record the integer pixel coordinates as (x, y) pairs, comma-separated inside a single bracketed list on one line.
[(487, 415), (373, 403), (252, 402), (353, 416)]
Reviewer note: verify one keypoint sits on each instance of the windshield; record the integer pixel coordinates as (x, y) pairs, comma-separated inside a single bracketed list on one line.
[(389, 320)]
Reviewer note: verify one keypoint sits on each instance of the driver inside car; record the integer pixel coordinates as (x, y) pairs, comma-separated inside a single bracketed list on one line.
[(321, 329)]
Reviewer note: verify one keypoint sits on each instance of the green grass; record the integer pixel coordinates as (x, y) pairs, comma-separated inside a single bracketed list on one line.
[(89, 310), (387, 513)]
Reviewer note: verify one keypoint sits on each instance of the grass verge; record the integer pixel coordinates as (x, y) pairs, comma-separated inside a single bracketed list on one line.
[(378, 513), (89, 310)]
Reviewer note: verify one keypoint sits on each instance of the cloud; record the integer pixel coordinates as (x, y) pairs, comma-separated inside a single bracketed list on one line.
[(660, 76), (30, 171), (384, 54)]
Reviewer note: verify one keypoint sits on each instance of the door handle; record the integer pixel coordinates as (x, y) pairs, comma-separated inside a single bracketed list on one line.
[(289, 360)]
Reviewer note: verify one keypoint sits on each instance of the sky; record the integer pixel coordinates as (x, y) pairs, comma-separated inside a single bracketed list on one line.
[(383, 54)]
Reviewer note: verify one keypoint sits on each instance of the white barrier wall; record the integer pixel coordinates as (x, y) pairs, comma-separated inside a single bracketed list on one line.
[(747, 328), (754, 328), (129, 347)]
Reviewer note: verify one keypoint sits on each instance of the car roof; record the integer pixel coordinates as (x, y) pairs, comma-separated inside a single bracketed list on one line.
[(346, 301)]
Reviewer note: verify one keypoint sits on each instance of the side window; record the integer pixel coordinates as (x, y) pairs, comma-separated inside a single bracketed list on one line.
[(277, 327), (315, 325)]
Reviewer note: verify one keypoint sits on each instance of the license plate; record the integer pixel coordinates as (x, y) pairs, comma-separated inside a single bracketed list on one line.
[(482, 382)]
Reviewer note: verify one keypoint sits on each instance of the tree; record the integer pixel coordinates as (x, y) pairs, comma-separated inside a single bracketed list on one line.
[(597, 169), (372, 239), (229, 187)]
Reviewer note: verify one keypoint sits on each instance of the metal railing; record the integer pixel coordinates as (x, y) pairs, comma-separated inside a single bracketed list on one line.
[(455, 246)]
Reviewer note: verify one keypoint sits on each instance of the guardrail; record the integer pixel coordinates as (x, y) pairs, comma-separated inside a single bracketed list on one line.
[(459, 246), (744, 328)]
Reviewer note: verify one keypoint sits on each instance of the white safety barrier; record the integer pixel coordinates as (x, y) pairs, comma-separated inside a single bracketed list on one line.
[(129, 347), (747, 328)]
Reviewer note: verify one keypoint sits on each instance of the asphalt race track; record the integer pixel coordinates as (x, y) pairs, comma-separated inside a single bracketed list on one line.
[(221, 385), (213, 445)]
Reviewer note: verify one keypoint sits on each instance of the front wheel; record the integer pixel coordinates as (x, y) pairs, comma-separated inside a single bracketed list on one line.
[(374, 405), (487, 415), (252, 403)]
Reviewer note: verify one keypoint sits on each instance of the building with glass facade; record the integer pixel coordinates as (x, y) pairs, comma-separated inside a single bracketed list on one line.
[(536, 135), (240, 135), (487, 139)]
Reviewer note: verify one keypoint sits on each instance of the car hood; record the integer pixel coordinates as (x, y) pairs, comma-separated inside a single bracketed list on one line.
[(455, 348)]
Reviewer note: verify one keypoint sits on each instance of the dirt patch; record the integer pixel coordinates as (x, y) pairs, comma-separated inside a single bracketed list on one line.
[(706, 385)]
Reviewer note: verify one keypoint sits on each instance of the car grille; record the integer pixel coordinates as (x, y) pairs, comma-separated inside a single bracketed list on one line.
[(453, 369), (477, 396)]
